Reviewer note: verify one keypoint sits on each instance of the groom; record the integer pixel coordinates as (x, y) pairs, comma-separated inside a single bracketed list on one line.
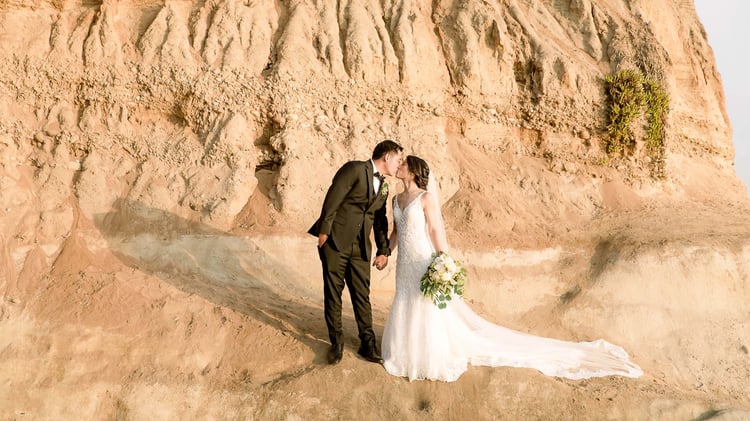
[(354, 205)]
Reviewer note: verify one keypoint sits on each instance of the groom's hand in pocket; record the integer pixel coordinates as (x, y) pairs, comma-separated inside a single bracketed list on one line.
[(380, 262), (322, 238)]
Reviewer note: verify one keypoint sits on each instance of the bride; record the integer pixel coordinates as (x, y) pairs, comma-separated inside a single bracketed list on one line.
[(421, 341)]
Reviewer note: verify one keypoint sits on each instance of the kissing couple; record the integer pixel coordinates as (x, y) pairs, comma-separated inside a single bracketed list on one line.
[(420, 340)]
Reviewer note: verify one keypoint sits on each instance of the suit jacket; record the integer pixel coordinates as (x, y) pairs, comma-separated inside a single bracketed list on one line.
[(351, 207)]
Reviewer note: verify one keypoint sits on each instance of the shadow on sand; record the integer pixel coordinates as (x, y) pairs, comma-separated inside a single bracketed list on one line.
[(225, 269)]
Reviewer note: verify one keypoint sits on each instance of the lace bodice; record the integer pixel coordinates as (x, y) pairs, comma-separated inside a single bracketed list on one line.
[(414, 246)]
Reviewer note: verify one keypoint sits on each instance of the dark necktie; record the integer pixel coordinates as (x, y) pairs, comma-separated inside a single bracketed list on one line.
[(381, 178)]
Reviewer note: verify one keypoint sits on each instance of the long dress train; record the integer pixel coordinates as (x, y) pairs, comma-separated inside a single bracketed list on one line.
[(421, 341)]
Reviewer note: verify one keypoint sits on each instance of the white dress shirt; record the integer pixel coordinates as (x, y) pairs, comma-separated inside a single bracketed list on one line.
[(375, 179)]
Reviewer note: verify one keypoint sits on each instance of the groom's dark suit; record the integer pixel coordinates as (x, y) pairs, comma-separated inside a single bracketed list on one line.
[(351, 210)]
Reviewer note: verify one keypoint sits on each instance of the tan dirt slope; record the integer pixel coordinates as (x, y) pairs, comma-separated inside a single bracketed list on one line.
[(161, 160)]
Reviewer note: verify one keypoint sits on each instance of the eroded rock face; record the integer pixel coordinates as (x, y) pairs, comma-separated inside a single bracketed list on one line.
[(237, 114)]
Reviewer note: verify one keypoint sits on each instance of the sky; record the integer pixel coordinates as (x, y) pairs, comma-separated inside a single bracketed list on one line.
[(727, 23)]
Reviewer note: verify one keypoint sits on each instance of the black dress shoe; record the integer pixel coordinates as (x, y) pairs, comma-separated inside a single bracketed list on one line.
[(370, 353), (335, 354)]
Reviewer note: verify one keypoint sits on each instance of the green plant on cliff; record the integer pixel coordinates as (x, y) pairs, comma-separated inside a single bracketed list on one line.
[(629, 93), (626, 97), (657, 104)]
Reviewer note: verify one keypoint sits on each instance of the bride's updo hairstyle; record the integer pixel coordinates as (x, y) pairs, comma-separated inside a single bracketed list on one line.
[(420, 169)]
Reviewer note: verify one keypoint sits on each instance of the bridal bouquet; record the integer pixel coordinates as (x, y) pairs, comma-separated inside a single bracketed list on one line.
[(444, 277)]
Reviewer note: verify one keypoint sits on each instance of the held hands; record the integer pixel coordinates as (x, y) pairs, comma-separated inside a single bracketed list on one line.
[(380, 262)]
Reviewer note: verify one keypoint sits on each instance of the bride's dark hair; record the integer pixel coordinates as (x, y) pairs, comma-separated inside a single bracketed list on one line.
[(420, 169)]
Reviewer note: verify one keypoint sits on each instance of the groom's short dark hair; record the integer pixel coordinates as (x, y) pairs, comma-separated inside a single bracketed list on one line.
[(384, 147)]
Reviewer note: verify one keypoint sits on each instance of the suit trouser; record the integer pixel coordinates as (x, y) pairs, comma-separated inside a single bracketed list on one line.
[(348, 268)]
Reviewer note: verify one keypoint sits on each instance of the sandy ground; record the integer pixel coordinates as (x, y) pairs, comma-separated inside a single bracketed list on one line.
[(147, 323)]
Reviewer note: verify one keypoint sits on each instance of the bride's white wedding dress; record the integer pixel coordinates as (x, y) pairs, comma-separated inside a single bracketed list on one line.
[(421, 341)]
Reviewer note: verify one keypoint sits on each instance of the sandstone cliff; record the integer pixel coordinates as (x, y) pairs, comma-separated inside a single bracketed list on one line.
[(162, 159)]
